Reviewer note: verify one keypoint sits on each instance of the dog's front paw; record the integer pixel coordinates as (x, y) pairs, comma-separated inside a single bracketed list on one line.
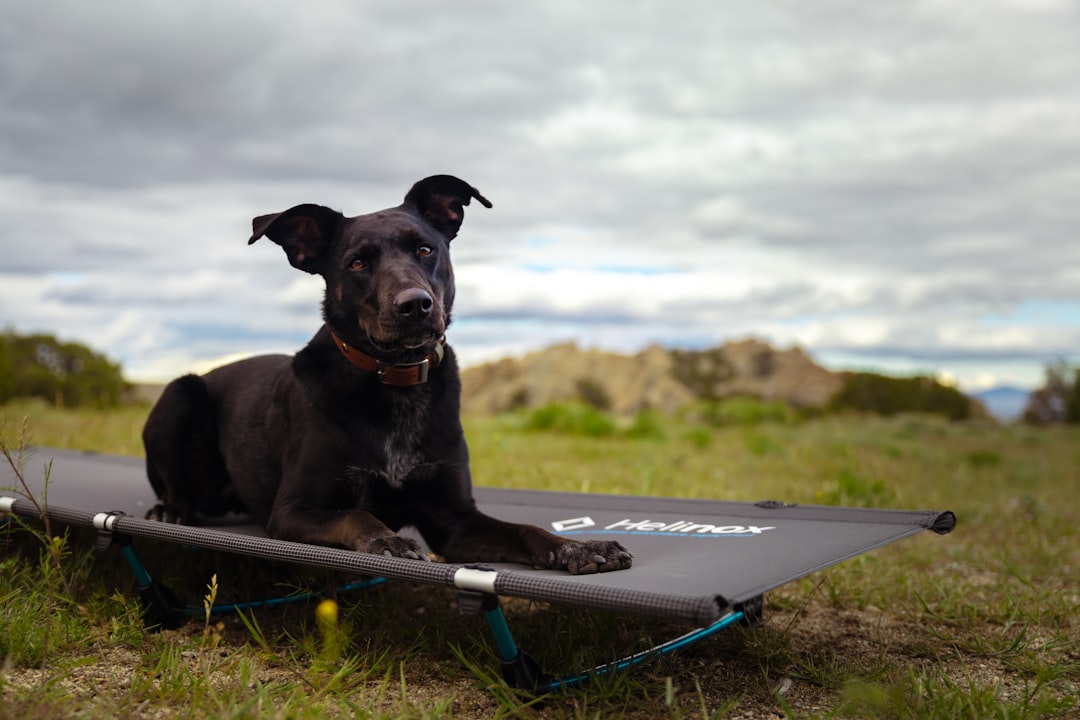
[(395, 546), (591, 556), (163, 513)]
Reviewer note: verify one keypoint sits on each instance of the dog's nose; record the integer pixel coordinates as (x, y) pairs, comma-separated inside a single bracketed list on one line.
[(414, 303)]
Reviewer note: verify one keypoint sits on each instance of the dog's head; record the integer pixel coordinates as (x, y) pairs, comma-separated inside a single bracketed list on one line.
[(389, 282)]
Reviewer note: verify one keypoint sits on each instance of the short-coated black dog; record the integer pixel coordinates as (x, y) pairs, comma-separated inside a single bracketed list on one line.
[(358, 434)]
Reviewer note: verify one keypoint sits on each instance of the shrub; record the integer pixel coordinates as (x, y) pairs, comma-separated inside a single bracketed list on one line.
[(1058, 400), (647, 424), (67, 374), (570, 419), (701, 371), (852, 490), (699, 437), (593, 393), (870, 392), (744, 410)]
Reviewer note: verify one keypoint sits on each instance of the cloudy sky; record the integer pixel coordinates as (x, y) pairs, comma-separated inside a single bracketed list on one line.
[(890, 185)]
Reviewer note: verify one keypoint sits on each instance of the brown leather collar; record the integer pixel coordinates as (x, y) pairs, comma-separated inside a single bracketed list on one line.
[(403, 375)]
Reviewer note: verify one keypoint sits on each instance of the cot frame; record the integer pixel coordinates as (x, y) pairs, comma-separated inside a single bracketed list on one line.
[(717, 590)]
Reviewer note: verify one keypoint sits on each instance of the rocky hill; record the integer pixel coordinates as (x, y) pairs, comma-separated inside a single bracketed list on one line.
[(655, 378)]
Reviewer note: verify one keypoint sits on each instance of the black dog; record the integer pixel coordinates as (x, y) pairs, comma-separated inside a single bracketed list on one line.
[(358, 434)]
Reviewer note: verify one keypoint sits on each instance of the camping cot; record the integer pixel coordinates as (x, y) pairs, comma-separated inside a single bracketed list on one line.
[(706, 564)]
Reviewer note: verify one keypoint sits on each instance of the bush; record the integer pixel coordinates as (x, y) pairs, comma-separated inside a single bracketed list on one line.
[(593, 393), (852, 490), (1058, 400), (870, 392), (699, 437), (571, 419), (647, 424), (67, 374), (702, 371), (744, 410)]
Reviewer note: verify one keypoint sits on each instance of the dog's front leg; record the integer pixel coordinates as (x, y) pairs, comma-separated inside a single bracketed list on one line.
[(354, 529), (476, 537)]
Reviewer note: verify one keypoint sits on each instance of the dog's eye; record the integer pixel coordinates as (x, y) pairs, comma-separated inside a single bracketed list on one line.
[(424, 250), (357, 264)]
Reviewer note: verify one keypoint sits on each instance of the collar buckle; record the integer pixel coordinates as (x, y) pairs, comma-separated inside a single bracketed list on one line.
[(403, 375)]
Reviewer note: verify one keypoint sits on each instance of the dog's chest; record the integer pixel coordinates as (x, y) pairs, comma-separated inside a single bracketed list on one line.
[(401, 448)]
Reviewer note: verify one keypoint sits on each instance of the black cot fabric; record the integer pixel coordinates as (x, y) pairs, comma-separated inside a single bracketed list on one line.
[(693, 559), (690, 550)]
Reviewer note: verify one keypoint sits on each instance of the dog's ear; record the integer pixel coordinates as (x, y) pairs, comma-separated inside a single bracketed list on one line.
[(305, 232), (441, 200)]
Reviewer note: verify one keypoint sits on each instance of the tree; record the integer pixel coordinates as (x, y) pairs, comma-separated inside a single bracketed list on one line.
[(884, 395), (68, 374), (1058, 400)]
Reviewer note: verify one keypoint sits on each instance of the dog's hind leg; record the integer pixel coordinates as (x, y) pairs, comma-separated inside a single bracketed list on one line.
[(183, 459)]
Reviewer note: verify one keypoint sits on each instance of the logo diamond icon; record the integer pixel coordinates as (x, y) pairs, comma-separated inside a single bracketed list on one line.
[(573, 524)]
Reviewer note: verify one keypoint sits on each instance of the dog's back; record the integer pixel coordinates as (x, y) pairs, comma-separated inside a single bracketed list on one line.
[(183, 458), (203, 428)]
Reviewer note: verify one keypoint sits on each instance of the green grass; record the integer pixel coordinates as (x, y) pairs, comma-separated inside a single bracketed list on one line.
[(980, 623), (116, 430)]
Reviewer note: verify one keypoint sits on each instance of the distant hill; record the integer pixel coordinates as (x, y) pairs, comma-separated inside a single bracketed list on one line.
[(1005, 404), (655, 378)]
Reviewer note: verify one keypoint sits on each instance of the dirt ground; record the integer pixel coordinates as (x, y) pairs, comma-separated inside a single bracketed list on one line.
[(715, 672)]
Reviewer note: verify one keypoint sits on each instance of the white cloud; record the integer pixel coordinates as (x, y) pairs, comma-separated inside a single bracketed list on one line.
[(879, 181)]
